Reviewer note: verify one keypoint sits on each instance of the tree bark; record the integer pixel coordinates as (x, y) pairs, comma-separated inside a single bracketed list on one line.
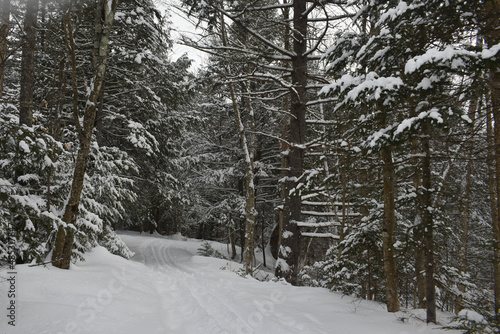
[(427, 223), (419, 239), (389, 224), (28, 64), (248, 153), (492, 37), (65, 237), (465, 212), (233, 244), (284, 147), (491, 162), (288, 258)]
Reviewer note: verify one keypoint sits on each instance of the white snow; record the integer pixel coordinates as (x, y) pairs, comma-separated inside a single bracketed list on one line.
[(167, 288), (138, 58), (408, 123), (425, 84), (435, 55), (471, 315), (28, 177), (24, 146), (29, 225), (491, 52), (5, 183), (370, 82)]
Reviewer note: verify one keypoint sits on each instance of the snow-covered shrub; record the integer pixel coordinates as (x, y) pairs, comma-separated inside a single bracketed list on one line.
[(35, 179), (314, 275), (359, 270), (30, 162), (471, 322), (207, 250), (106, 193)]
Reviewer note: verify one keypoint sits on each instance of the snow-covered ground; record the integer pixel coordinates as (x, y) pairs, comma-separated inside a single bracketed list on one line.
[(167, 288)]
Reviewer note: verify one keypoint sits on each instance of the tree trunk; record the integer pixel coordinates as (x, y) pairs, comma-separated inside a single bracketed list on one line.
[(389, 224), (491, 162), (288, 261), (61, 257), (427, 223), (284, 147), (465, 212), (28, 64), (419, 239), (4, 32), (233, 244), (263, 244), (248, 153), (492, 37)]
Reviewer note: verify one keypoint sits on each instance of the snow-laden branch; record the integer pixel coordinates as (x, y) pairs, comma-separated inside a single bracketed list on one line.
[(450, 55)]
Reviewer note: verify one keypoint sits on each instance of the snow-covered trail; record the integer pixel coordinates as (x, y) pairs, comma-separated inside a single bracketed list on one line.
[(197, 297), (168, 289)]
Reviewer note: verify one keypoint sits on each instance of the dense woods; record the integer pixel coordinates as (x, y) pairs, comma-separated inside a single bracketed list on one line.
[(358, 142)]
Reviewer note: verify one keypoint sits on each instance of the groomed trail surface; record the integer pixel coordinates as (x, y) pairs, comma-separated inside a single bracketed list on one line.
[(167, 288)]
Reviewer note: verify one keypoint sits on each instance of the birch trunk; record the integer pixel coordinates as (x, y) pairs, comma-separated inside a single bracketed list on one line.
[(248, 153)]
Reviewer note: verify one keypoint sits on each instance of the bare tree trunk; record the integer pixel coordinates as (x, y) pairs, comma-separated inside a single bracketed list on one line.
[(491, 162), (233, 244), (288, 258), (284, 134), (248, 153), (28, 64), (419, 239), (4, 32), (263, 244), (64, 242), (389, 224), (495, 95), (465, 212), (428, 224), (492, 37)]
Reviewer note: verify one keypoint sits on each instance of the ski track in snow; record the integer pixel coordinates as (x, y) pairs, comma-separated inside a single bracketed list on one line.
[(187, 294), (189, 290), (166, 288)]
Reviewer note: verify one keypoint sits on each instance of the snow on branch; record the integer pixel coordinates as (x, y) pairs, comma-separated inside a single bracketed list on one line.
[(432, 114), (400, 9), (450, 55), (358, 84)]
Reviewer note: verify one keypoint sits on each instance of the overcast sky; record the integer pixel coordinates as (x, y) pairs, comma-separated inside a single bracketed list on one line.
[(181, 25)]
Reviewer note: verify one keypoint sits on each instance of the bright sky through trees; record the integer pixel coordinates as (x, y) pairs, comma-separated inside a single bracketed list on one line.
[(181, 25)]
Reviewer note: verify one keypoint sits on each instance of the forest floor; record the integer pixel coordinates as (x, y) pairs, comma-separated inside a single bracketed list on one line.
[(167, 288)]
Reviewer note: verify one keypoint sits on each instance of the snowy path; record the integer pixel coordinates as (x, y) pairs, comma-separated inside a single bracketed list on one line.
[(168, 289), (197, 297), (200, 298)]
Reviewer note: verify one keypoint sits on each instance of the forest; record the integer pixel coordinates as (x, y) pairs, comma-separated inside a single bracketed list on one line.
[(356, 141)]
